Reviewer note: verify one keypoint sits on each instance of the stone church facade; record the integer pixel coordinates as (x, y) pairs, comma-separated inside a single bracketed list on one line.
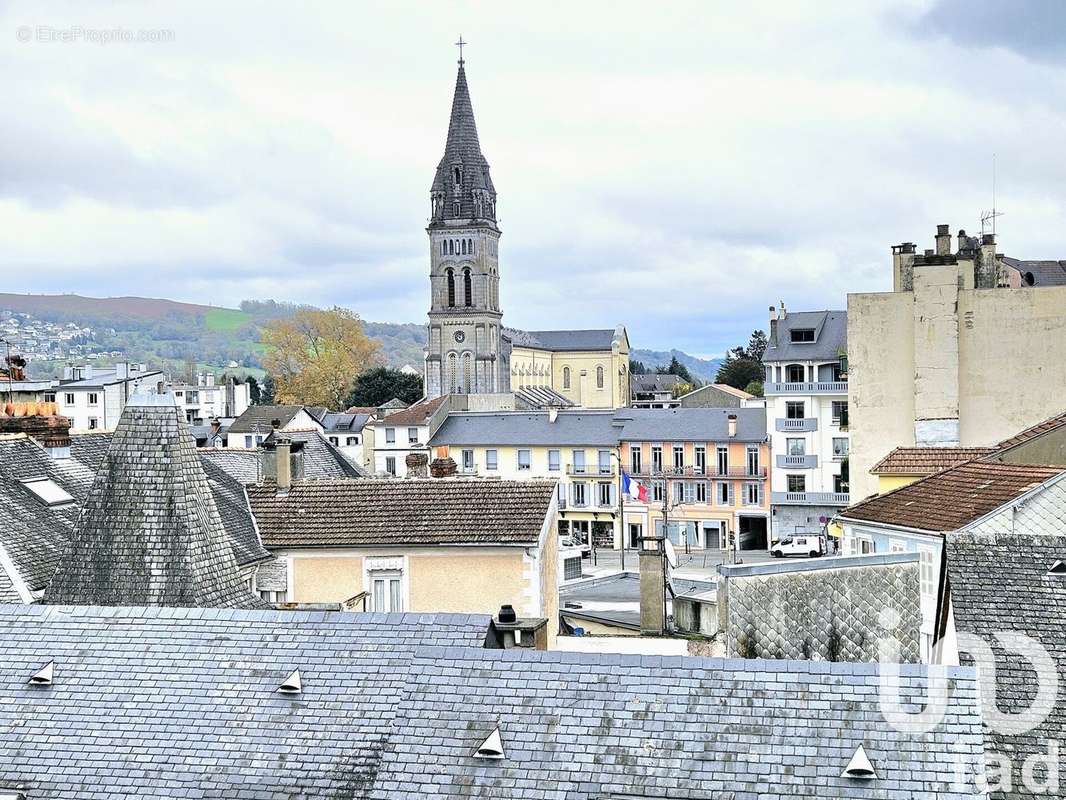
[(465, 353)]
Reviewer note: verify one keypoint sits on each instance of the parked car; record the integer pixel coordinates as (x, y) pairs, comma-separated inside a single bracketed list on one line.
[(810, 546)]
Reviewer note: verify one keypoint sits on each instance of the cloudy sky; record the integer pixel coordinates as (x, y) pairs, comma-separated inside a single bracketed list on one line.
[(677, 167)]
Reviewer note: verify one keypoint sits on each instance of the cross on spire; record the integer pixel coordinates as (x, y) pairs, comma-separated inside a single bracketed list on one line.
[(460, 45)]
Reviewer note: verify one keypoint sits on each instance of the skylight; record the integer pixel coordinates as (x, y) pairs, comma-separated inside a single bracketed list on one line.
[(859, 766), (492, 747), (1058, 568), (292, 684), (42, 677), (48, 491)]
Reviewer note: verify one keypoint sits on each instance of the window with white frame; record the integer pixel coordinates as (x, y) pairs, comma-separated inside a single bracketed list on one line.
[(491, 460), (840, 412), (841, 446), (928, 578), (796, 483), (390, 465), (657, 489), (753, 459), (333, 440), (68, 398), (796, 447), (722, 493), (793, 409), (249, 442), (634, 459), (390, 435), (579, 493), (752, 494), (386, 590), (524, 459), (94, 423), (94, 399), (578, 457), (605, 493), (271, 596), (723, 460), (701, 491), (412, 435), (603, 458), (897, 546), (352, 440), (657, 458), (468, 461), (701, 459), (553, 460)]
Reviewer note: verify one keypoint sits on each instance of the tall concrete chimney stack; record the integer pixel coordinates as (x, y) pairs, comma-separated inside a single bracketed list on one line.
[(943, 240), (652, 585)]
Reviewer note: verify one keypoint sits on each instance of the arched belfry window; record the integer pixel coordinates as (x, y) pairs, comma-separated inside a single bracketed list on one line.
[(566, 377), (458, 176), (455, 209), (599, 377), (451, 286), (468, 288)]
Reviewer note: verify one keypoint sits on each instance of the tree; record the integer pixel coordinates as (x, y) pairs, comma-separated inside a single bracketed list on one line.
[(754, 388), (254, 392), (380, 384), (637, 367), (743, 365), (680, 370), (266, 392), (314, 355)]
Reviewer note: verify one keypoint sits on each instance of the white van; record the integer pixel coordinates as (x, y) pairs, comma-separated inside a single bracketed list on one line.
[(799, 545)]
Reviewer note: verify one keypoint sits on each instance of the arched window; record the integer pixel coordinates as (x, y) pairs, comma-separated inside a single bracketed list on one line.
[(599, 377), (462, 248), (455, 209), (471, 247), (451, 247), (443, 248), (458, 176), (468, 372), (451, 286), (468, 288), (566, 377), (452, 373)]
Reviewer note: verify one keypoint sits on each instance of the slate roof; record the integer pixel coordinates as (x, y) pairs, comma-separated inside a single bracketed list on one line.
[(106, 377), (953, 498), (585, 726), (240, 464), (236, 514), (402, 512), (542, 397), (999, 584), (182, 703), (416, 414), (691, 424), (344, 422), (527, 428), (263, 416), (463, 148), (565, 341), (1044, 272), (652, 382), (830, 336), (149, 530), (926, 460), (322, 461)]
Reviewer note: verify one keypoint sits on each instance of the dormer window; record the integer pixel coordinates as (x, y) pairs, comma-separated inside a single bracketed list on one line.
[(458, 172), (802, 335)]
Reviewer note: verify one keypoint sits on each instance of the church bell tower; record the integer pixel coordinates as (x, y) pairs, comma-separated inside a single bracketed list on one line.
[(464, 353)]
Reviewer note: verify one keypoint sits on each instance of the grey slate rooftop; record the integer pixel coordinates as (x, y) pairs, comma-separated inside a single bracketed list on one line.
[(564, 341), (321, 460), (830, 336), (1000, 584), (183, 703), (394, 706), (691, 424), (259, 419), (149, 530), (527, 428)]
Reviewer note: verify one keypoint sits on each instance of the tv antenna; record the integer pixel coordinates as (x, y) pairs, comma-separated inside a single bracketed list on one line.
[(988, 218)]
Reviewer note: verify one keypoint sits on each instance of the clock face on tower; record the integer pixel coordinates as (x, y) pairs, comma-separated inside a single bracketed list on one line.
[(459, 336)]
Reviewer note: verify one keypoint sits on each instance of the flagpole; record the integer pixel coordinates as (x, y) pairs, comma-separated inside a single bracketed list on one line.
[(621, 508)]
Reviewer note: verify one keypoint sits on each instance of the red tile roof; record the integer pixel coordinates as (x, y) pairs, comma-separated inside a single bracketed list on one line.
[(418, 414), (953, 498), (926, 460), (1049, 424)]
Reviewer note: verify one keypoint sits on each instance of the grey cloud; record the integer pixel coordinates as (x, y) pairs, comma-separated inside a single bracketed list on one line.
[(1034, 29)]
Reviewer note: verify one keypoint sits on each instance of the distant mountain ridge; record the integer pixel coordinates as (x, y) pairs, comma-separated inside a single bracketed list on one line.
[(157, 329)]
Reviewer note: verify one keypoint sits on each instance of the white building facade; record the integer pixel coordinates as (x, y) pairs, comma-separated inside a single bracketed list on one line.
[(93, 398), (806, 391)]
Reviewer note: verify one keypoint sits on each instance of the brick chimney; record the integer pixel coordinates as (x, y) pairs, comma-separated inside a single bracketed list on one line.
[(443, 468), (39, 421)]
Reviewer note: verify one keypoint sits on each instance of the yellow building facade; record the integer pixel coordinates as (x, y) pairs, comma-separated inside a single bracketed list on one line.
[(590, 368)]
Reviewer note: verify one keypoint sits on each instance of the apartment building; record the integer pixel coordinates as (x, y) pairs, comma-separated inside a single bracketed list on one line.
[(706, 470), (92, 398), (576, 448), (806, 390), (206, 399)]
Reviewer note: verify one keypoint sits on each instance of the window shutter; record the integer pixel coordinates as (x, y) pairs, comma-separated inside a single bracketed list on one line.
[(732, 489)]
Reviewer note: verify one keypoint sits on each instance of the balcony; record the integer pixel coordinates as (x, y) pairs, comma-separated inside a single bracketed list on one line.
[(797, 462), (810, 499), (591, 470), (818, 387), (700, 472), (796, 425)]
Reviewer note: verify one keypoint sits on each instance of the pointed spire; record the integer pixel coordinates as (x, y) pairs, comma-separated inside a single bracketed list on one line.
[(462, 187), (149, 532)]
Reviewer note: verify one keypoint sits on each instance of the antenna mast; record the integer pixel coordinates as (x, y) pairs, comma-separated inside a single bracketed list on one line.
[(989, 217)]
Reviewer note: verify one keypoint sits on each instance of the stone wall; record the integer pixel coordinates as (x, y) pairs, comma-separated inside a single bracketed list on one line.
[(822, 609)]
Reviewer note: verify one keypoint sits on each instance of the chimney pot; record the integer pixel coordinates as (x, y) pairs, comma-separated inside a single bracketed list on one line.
[(507, 614)]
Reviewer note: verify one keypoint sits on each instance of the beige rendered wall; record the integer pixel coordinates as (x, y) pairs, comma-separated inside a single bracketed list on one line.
[(583, 390), (1012, 349), (880, 381), (936, 343), (326, 579), (467, 584)]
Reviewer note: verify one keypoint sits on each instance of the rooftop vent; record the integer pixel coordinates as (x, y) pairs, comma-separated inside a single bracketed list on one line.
[(292, 684), (42, 677), (1058, 568), (859, 766), (492, 747), (507, 614)]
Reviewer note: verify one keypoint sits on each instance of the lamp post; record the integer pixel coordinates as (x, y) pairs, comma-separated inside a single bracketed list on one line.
[(617, 456)]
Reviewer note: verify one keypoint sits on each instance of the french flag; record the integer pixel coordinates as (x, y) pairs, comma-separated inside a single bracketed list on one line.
[(638, 491)]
